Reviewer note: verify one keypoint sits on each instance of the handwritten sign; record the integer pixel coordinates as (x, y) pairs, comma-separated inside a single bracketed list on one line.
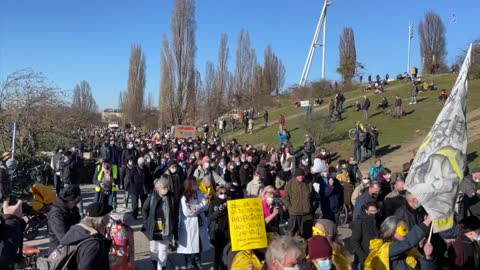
[(247, 224), (183, 131)]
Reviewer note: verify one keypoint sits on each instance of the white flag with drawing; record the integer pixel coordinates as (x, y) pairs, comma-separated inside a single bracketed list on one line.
[(438, 167)]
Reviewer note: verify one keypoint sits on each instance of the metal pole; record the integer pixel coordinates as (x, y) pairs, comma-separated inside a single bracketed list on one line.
[(410, 36), (324, 45), (13, 140)]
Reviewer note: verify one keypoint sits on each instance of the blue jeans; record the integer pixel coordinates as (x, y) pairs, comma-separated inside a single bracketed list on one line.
[(194, 259)]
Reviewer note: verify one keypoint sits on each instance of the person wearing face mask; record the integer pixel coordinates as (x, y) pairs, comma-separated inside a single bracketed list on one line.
[(360, 188), (470, 187), (354, 172), (396, 198), (246, 171), (135, 186), (369, 195), (193, 229), (105, 180), (93, 252), (205, 171), (283, 253), (464, 253), (320, 254), (130, 151), (219, 233), (160, 222), (396, 247), (271, 209), (364, 229)]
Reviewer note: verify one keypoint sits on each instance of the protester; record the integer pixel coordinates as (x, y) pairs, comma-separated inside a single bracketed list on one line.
[(283, 253), (300, 200), (320, 254), (105, 180), (219, 227), (193, 232), (398, 106), (369, 195), (365, 107), (364, 229), (135, 186), (254, 187), (55, 164), (464, 253), (160, 219), (93, 247), (470, 187), (11, 234), (376, 170), (396, 198), (341, 256), (396, 246), (360, 188), (63, 214)]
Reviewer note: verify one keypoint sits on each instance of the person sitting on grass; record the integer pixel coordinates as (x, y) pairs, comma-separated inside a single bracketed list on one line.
[(443, 95), (383, 104)]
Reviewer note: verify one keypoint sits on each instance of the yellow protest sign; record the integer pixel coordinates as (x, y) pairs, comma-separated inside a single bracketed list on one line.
[(247, 224)]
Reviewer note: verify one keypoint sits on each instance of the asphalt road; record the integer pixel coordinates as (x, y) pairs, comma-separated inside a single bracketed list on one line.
[(142, 254)]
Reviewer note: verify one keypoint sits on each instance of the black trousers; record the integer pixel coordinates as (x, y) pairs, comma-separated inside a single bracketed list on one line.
[(135, 206), (220, 243)]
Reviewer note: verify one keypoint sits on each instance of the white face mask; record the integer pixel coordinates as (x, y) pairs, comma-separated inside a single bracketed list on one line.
[(163, 191), (206, 165), (269, 200), (222, 196), (365, 181), (173, 170)]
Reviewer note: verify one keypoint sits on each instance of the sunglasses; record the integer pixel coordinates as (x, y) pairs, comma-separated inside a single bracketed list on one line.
[(222, 193)]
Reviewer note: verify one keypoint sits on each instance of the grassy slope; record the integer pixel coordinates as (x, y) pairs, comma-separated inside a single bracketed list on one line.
[(392, 131)]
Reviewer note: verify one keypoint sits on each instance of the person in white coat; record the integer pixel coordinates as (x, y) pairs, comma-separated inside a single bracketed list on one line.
[(193, 233)]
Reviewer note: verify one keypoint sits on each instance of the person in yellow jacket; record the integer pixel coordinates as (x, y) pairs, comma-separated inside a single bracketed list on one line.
[(396, 247), (105, 180), (43, 197)]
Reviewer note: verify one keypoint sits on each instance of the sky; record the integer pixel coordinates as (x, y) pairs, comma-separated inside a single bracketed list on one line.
[(71, 41)]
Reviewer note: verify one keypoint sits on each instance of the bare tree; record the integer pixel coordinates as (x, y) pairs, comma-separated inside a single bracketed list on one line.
[(273, 72), (432, 41), (180, 100), (209, 91), (244, 68), (222, 74), (167, 99), (29, 99), (149, 101), (348, 55), (83, 99), (136, 86)]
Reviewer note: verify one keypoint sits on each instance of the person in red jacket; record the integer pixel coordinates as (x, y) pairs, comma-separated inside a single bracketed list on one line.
[(281, 122)]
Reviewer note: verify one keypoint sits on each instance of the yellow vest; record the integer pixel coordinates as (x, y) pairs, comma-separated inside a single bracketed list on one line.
[(100, 177)]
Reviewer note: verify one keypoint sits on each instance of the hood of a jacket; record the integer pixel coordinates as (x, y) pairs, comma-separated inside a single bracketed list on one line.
[(76, 234)]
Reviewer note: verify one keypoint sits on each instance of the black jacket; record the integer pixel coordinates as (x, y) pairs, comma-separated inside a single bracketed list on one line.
[(398, 102), (218, 216), (364, 229), (246, 173), (11, 239), (60, 219), (134, 180), (148, 212), (92, 254), (366, 104), (126, 153), (69, 170), (411, 216)]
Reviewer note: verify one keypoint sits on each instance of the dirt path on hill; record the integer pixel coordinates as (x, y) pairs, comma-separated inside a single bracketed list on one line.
[(395, 159)]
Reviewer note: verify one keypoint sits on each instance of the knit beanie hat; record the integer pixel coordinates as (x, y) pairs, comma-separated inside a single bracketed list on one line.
[(319, 247)]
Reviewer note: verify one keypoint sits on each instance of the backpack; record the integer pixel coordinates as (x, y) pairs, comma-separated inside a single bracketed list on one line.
[(62, 257)]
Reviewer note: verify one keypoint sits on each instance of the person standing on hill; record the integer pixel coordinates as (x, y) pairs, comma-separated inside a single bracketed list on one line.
[(281, 122), (398, 107), (265, 118), (413, 95), (365, 107)]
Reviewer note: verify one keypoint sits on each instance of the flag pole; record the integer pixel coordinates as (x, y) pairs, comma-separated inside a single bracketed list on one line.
[(431, 232)]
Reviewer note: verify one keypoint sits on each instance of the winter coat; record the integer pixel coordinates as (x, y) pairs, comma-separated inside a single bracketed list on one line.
[(92, 254), (364, 229), (358, 191), (393, 201), (397, 251), (126, 153), (464, 254), (300, 198), (214, 178), (3, 181), (366, 104), (218, 216), (11, 239), (253, 188), (375, 171), (69, 169), (193, 238), (60, 219), (135, 180), (354, 173), (246, 173), (331, 197), (149, 210), (283, 137), (361, 201)]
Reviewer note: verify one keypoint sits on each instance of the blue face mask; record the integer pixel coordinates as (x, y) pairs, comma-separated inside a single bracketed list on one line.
[(478, 238), (324, 265), (418, 206)]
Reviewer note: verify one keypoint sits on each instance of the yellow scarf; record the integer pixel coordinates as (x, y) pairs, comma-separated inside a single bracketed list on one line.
[(379, 257)]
